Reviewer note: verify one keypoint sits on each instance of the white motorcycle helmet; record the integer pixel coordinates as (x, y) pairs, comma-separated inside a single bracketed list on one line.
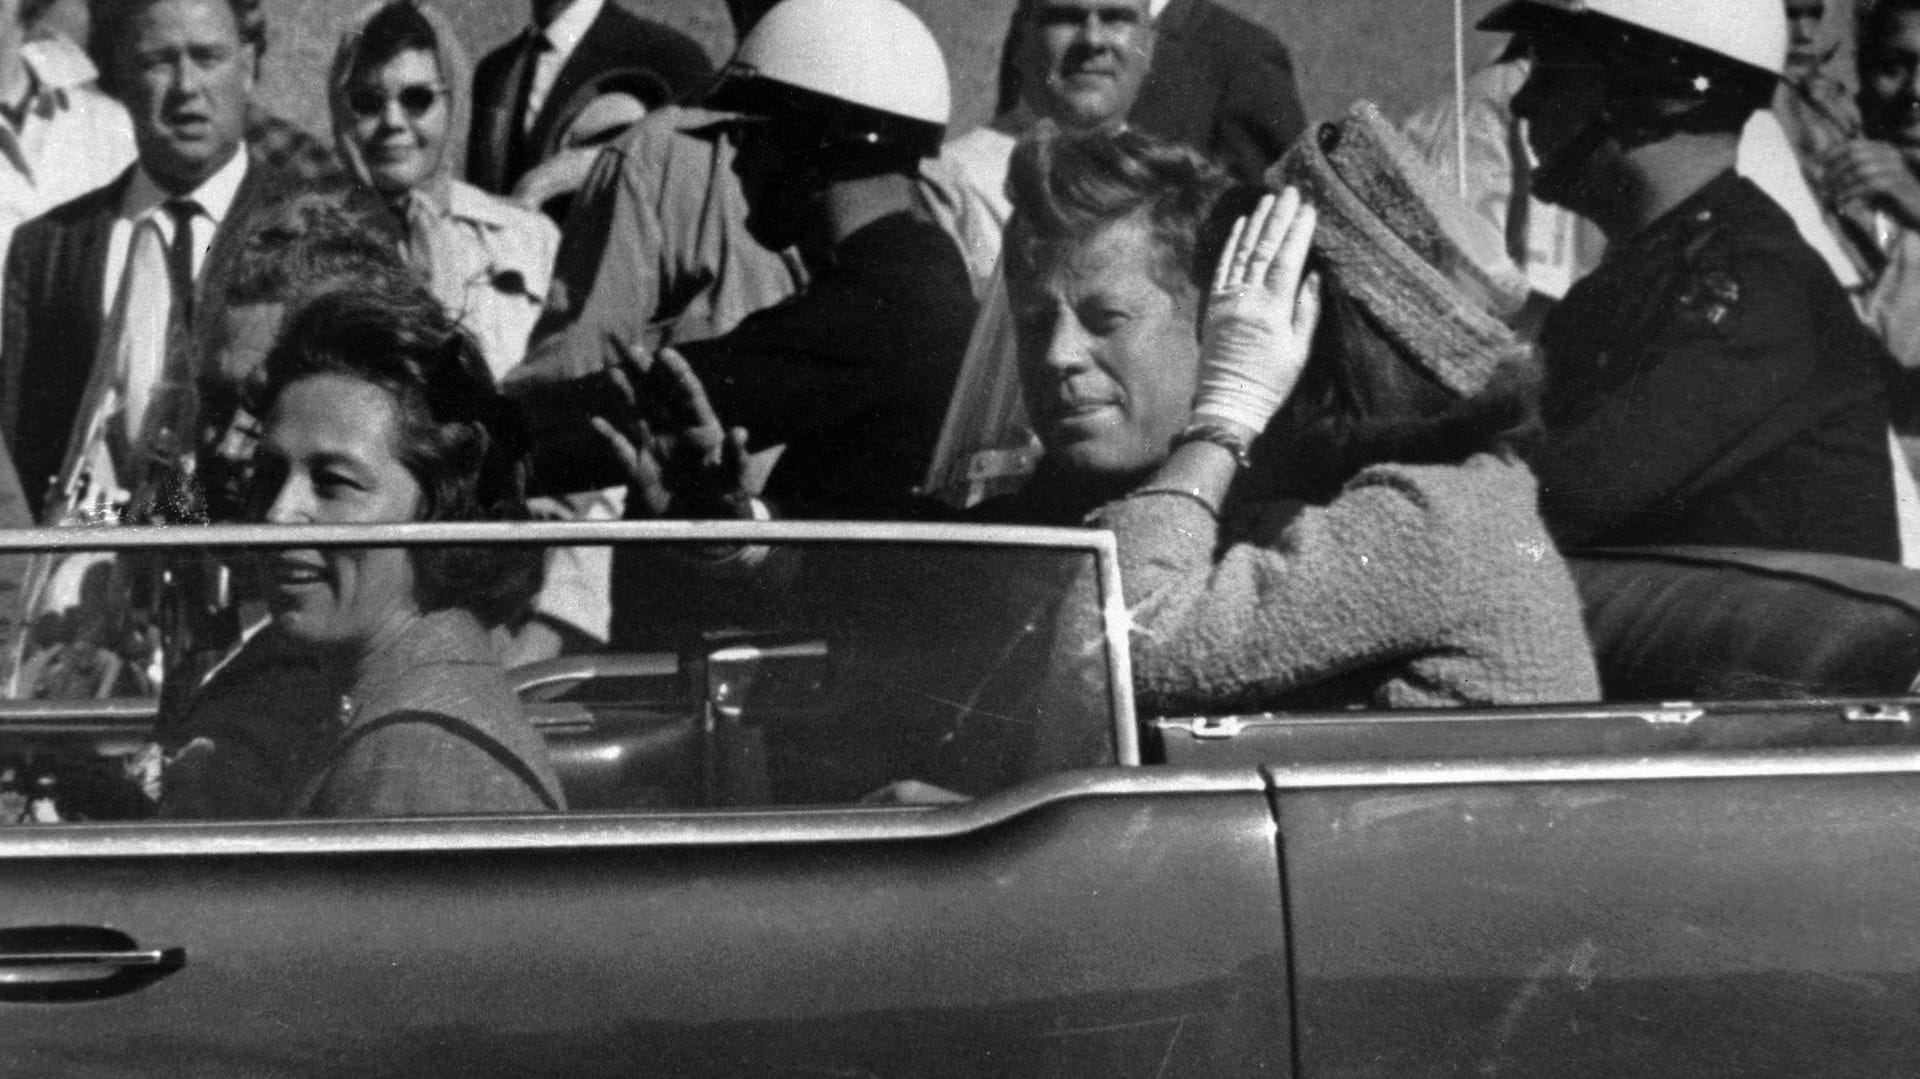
[(1667, 65), (1749, 32), (858, 73)]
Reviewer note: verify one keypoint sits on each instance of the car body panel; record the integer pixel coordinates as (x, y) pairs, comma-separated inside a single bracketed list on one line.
[(1084, 929), (1704, 915)]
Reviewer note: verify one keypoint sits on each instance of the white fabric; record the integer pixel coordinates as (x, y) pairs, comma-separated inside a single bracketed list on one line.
[(142, 200), (73, 140), (139, 334), (563, 36), (1767, 158), (1906, 502)]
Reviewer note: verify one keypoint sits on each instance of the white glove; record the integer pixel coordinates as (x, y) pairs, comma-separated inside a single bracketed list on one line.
[(1260, 316)]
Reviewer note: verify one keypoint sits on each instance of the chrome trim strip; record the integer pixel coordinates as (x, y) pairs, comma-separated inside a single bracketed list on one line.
[(1748, 764), (735, 828), (546, 532), (1119, 627)]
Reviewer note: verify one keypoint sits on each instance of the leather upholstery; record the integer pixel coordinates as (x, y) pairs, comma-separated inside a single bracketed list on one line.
[(1709, 623)]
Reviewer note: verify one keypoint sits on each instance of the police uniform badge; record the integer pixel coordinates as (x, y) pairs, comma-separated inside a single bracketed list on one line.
[(1709, 299)]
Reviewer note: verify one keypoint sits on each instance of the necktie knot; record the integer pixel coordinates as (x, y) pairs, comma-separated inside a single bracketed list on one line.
[(180, 253)]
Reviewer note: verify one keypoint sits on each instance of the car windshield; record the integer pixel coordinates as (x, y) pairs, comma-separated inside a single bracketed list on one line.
[(747, 666)]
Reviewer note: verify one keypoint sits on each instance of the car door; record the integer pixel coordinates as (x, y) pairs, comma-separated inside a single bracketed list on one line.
[(1074, 915)]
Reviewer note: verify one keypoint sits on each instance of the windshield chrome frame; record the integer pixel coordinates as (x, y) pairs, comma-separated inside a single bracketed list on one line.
[(1096, 542)]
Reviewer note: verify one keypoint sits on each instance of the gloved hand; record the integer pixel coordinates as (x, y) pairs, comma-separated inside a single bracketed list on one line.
[(1260, 315)]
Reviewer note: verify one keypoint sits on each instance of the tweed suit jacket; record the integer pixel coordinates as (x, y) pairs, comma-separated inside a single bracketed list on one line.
[(620, 51), (55, 281)]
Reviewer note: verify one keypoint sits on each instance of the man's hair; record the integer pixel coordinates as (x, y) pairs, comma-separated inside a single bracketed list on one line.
[(396, 28), (111, 18), (1066, 186), (312, 240), (464, 444)]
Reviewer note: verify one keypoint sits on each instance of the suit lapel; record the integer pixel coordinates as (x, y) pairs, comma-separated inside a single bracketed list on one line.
[(89, 257), (594, 52)]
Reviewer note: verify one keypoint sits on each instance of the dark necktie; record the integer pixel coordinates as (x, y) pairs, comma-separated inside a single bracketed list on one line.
[(180, 256), (518, 145)]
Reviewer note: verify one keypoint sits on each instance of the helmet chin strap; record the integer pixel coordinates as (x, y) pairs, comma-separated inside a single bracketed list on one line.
[(1555, 177)]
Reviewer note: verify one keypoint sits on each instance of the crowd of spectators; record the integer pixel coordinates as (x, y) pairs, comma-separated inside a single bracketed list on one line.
[(1341, 419)]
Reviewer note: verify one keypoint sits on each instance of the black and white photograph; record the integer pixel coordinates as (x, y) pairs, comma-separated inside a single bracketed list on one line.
[(960, 539)]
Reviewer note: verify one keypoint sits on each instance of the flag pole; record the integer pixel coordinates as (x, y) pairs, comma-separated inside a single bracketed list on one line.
[(1460, 96)]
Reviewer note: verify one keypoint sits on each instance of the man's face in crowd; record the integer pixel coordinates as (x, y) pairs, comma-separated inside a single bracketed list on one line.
[(773, 210), (1806, 41), (1108, 357), (1889, 68), (1083, 61), (185, 76)]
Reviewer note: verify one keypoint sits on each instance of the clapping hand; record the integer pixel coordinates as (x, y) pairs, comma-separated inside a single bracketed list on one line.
[(1261, 315), (679, 459)]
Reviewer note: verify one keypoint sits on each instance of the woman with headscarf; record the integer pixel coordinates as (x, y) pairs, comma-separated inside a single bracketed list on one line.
[(398, 92)]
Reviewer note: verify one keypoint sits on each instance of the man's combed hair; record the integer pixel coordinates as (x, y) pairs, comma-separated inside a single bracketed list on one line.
[(1066, 186), (111, 18), (465, 444)]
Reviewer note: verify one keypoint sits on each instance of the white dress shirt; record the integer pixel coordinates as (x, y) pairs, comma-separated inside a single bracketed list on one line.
[(143, 199), (563, 36)]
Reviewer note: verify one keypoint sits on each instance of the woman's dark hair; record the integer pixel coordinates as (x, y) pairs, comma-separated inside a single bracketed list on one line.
[(1362, 401), (396, 28), (1068, 185), (464, 443)]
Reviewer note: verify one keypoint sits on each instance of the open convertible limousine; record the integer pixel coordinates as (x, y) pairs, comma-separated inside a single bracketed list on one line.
[(889, 812)]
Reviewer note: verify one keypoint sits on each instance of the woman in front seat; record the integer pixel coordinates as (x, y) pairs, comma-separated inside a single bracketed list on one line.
[(378, 409)]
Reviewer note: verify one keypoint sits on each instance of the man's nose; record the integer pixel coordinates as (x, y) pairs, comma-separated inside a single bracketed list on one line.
[(1099, 31), (1067, 349), (290, 506)]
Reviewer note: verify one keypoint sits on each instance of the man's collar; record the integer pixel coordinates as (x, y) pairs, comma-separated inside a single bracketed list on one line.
[(215, 196), (567, 28)]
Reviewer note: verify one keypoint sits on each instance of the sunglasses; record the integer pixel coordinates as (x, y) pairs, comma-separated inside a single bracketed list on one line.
[(416, 100)]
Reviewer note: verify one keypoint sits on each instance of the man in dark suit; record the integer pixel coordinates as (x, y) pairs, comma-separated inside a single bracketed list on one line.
[(185, 70), (1217, 82), (527, 93)]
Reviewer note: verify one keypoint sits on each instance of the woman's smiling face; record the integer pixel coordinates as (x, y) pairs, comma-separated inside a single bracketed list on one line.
[(329, 455), (401, 146)]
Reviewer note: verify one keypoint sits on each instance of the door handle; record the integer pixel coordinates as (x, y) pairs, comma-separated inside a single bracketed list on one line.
[(47, 963)]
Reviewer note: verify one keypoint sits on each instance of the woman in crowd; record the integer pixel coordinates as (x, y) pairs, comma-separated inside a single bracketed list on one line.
[(398, 91), (1384, 548), (377, 409)]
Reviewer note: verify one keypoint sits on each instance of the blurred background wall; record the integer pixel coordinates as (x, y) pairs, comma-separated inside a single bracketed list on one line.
[(1399, 52)]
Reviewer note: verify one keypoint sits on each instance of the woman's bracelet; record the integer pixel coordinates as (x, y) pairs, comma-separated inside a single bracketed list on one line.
[(1191, 494), (1216, 434)]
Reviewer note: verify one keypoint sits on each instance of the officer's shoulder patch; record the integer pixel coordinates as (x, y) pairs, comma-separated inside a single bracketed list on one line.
[(1709, 297)]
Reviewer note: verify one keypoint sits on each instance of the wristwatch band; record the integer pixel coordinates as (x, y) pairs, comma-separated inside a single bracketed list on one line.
[(1220, 436)]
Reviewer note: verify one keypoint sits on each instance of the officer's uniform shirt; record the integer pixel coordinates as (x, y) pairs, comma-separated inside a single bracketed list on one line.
[(1710, 384), (852, 375)]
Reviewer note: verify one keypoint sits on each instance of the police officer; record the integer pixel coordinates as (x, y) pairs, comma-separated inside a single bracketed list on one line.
[(1708, 383), (852, 374)]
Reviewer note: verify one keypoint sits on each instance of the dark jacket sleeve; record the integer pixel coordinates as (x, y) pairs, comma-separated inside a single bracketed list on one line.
[(1695, 402), (27, 252)]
